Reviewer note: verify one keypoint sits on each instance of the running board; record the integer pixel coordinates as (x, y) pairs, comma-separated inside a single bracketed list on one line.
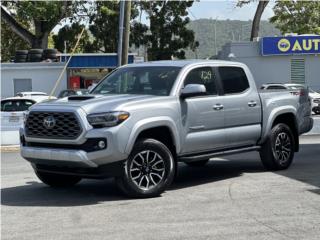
[(203, 156)]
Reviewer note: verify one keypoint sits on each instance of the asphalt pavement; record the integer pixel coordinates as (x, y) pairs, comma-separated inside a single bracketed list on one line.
[(231, 198)]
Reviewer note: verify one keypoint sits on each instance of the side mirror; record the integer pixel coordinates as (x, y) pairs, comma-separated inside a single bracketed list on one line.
[(193, 90)]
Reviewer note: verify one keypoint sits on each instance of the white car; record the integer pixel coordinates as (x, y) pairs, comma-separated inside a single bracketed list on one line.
[(12, 112), (37, 96), (14, 108), (315, 100)]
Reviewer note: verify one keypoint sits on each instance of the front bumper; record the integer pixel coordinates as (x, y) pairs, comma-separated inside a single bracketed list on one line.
[(69, 155)]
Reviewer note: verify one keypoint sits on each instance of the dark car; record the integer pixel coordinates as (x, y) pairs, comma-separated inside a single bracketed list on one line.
[(72, 92)]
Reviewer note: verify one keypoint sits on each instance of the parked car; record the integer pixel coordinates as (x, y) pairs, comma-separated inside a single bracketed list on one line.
[(315, 99), (37, 96), (12, 112), (157, 114), (71, 92), (313, 95)]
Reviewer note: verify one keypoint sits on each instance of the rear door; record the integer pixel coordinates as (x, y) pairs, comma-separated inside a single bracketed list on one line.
[(242, 108)]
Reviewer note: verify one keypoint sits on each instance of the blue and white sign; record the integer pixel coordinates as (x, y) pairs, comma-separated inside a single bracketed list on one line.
[(290, 45)]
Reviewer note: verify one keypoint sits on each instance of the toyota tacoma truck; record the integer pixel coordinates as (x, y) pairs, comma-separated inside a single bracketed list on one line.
[(142, 119)]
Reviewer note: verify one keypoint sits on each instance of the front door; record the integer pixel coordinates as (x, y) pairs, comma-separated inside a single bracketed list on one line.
[(202, 116)]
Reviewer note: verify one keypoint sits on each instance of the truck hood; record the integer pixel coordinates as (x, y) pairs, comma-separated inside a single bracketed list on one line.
[(95, 103)]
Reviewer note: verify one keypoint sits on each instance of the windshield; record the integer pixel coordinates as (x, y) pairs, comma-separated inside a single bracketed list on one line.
[(139, 80)]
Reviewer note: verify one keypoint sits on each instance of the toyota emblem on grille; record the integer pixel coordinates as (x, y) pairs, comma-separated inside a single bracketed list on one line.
[(49, 122)]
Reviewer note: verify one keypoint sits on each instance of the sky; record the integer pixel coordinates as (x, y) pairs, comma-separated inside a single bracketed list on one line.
[(227, 10), (219, 9)]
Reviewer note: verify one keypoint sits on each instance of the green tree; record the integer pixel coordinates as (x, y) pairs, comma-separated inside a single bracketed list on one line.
[(69, 33), (104, 26), (104, 23), (257, 16), (297, 16), (42, 16), (10, 42), (168, 34)]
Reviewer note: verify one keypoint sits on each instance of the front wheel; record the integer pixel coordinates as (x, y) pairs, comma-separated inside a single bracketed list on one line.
[(57, 180), (278, 151), (148, 171)]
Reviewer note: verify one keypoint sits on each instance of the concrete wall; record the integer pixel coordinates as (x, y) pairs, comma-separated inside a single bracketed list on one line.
[(43, 75), (271, 69)]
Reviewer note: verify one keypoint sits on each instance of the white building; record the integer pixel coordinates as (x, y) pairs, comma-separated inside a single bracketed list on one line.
[(38, 76), (293, 59)]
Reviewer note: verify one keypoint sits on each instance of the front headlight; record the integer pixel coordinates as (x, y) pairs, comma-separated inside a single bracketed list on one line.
[(107, 119)]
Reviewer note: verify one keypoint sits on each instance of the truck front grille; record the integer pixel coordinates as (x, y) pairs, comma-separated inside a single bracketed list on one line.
[(53, 125)]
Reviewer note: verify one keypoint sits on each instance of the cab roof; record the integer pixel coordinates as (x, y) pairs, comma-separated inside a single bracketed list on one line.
[(182, 63)]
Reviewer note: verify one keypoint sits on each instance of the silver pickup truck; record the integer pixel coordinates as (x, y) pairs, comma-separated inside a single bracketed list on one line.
[(142, 119)]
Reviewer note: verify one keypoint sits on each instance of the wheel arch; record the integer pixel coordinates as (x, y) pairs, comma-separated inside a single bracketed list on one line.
[(287, 117), (161, 129)]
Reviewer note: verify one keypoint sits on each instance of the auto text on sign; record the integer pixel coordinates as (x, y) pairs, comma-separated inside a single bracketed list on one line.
[(293, 45)]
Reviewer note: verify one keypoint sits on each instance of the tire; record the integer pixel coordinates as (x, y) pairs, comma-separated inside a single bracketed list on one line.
[(148, 171), (35, 51), (21, 57), (21, 52), (49, 51), (57, 180), (200, 163), (49, 56), (35, 58), (19, 60), (278, 151)]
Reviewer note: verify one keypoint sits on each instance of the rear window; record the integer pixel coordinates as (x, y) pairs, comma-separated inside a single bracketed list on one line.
[(15, 105), (234, 80)]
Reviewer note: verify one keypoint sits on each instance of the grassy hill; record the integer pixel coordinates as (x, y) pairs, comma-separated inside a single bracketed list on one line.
[(227, 31)]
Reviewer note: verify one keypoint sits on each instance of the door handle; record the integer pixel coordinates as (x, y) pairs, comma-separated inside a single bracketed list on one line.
[(252, 103), (218, 106)]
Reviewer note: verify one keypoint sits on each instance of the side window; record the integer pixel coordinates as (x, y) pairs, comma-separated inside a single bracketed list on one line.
[(234, 80), (205, 76)]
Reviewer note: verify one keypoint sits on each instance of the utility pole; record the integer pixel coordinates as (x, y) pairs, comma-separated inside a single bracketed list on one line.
[(215, 35), (126, 34), (120, 38)]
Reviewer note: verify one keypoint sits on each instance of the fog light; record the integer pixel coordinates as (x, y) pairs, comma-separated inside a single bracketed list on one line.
[(101, 144)]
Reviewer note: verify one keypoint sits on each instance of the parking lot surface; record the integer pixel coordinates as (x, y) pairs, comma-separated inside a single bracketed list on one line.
[(231, 198)]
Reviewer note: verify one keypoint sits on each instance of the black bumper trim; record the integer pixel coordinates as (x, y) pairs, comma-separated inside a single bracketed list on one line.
[(114, 169)]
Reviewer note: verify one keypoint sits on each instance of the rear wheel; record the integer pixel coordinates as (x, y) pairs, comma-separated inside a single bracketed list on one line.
[(149, 170), (200, 163), (278, 151), (57, 180)]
